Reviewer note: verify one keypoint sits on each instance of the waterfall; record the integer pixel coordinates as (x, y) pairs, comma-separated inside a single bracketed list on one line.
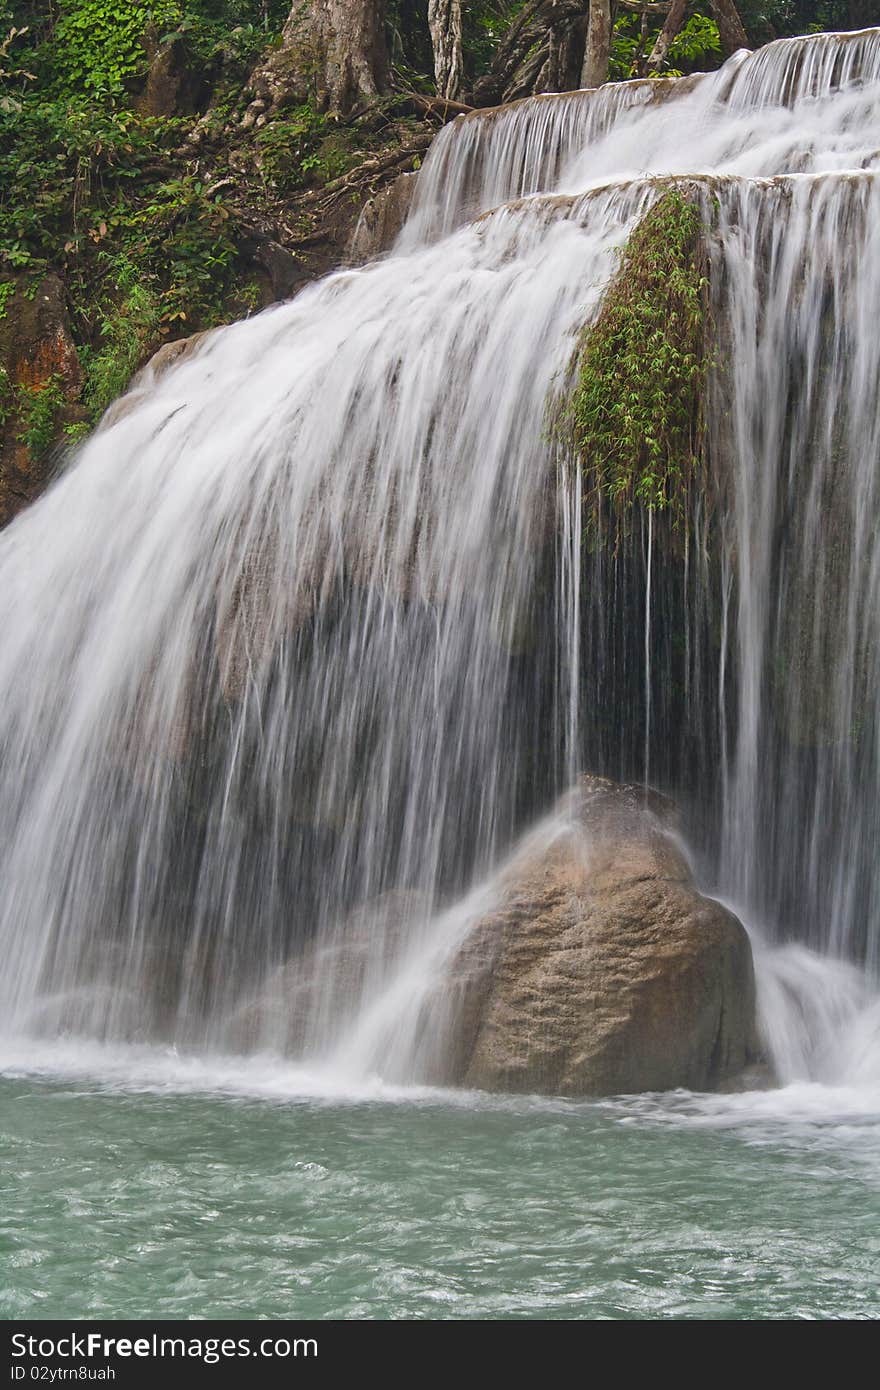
[(795, 104), (306, 634), (274, 645), (801, 836)]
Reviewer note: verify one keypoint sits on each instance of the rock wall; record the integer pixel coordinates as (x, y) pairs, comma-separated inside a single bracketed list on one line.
[(40, 380)]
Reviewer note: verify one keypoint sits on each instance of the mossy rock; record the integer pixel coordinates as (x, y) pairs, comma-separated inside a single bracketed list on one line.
[(635, 416)]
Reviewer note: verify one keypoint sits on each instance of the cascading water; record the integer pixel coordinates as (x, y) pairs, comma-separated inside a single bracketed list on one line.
[(306, 633), (293, 678), (801, 837)]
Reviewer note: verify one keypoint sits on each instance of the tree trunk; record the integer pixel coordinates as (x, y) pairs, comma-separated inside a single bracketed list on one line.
[(333, 53), (444, 22), (730, 26), (567, 39), (674, 21), (543, 48), (598, 50)]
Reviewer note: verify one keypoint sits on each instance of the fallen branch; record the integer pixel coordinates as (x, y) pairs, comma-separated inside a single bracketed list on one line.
[(443, 107), (366, 172)]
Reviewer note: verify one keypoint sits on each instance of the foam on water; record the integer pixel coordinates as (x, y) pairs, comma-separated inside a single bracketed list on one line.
[(820, 1022)]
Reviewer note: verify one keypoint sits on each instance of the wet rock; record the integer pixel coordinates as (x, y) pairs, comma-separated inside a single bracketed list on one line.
[(381, 219), (279, 272), (40, 382), (144, 380), (604, 970), (304, 1002), (168, 356)]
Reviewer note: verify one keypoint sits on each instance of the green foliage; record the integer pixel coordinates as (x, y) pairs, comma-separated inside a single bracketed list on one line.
[(84, 178), (211, 41), (120, 205), (108, 198), (38, 408), (696, 45), (75, 433), (226, 37), (304, 146), (635, 416), (180, 232), (409, 42), (130, 323), (696, 41), (625, 47), (60, 161), (485, 24), (88, 188), (99, 44), (7, 396), (770, 19), (10, 34)]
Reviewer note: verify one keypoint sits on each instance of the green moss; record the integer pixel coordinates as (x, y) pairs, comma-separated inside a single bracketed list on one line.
[(635, 417)]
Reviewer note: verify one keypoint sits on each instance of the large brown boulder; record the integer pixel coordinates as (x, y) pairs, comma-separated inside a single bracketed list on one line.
[(603, 970)]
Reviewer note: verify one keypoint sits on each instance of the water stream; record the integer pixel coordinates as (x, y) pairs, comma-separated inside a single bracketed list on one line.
[(306, 637)]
